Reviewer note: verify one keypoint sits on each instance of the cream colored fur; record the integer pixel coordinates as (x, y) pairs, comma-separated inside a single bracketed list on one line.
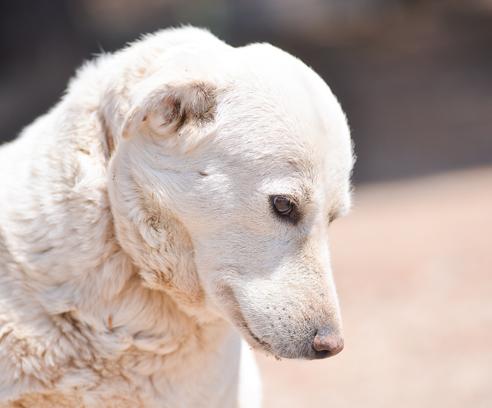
[(136, 233)]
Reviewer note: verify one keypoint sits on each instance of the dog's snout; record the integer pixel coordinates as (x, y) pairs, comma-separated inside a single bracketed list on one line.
[(327, 343)]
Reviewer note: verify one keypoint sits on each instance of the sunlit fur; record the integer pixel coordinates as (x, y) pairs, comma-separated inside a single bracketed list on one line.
[(137, 236)]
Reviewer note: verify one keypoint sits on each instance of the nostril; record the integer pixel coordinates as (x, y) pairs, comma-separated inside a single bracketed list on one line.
[(326, 343)]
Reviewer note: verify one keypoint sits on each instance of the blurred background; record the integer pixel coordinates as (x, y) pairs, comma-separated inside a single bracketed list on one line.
[(413, 263)]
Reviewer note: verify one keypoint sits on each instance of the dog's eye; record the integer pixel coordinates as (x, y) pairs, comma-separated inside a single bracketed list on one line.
[(282, 205), (285, 208)]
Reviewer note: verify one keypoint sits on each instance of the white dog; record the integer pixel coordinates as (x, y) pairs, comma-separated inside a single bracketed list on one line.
[(181, 190)]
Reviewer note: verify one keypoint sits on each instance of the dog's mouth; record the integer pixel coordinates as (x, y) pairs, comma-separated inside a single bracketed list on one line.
[(240, 322)]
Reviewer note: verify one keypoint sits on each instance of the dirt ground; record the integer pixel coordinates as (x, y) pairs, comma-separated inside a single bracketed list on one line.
[(413, 265)]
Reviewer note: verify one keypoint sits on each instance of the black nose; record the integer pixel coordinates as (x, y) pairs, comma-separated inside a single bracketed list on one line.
[(327, 343)]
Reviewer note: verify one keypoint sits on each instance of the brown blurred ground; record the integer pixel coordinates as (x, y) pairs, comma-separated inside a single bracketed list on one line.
[(413, 265)]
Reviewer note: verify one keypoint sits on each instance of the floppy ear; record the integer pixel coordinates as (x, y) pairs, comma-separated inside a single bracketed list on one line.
[(167, 110)]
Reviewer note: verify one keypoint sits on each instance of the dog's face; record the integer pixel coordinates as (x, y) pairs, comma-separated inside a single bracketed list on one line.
[(241, 179)]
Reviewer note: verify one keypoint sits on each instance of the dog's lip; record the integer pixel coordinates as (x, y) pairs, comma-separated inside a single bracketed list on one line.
[(320, 354), (264, 345), (242, 323), (237, 318)]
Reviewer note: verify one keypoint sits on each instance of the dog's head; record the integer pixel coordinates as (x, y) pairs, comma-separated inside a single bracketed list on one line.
[(223, 186)]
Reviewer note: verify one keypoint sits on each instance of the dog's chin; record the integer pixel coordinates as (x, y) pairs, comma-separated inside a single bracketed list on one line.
[(235, 316), (290, 352), (256, 342), (233, 313), (253, 340), (287, 353)]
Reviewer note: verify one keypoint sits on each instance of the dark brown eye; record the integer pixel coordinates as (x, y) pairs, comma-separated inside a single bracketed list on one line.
[(282, 205), (285, 208)]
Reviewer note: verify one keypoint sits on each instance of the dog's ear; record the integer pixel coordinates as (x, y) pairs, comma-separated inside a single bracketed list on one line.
[(167, 110)]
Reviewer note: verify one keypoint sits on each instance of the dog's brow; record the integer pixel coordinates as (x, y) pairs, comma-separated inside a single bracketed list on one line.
[(306, 193), (300, 192)]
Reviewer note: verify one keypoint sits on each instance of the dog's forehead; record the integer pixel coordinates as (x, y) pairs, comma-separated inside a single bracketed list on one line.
[(280, 119), (283, 113)]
